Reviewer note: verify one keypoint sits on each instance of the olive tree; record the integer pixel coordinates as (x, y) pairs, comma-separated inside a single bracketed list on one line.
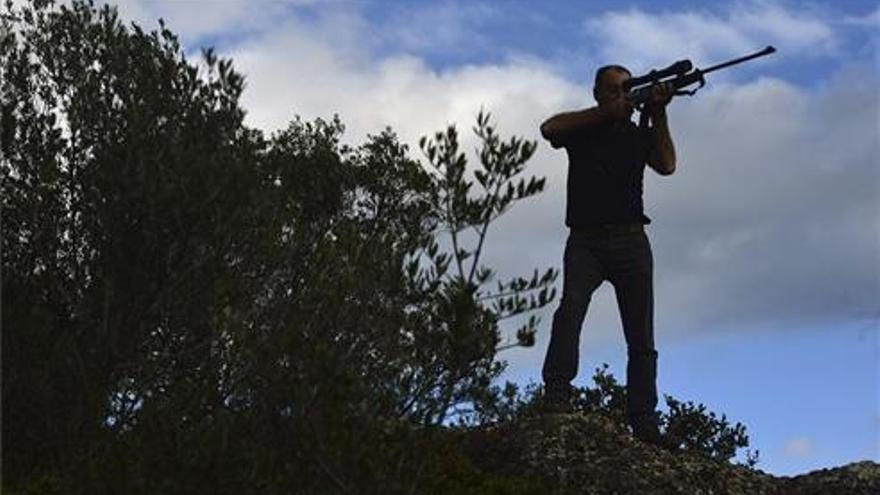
[(190, 305)]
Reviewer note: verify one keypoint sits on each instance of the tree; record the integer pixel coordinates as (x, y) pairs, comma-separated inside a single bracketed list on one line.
[(191, 305), (125, 192)]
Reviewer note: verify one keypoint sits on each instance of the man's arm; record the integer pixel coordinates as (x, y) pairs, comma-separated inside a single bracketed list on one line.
[(662, 156), (558, 127)]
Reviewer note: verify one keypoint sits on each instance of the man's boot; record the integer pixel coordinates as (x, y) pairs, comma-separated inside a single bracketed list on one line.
[(645, 428), (641, 390), (557, 400)]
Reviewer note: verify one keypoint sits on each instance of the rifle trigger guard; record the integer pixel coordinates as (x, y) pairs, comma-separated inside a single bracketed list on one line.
[(702, 82)]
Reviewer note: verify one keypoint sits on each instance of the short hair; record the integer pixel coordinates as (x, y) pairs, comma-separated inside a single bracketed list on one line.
[(606, 68)]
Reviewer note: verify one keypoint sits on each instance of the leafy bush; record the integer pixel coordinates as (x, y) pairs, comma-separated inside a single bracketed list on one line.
[(689, 427)]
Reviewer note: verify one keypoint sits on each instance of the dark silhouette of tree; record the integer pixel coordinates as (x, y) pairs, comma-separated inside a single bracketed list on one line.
[(190, 305)]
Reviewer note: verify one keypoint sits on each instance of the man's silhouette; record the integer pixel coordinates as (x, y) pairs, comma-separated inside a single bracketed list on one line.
[(607, 154)]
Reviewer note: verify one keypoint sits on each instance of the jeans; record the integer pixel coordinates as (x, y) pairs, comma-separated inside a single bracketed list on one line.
[(627, 262)]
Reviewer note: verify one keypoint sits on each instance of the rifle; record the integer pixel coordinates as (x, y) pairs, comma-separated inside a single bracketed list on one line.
[(679, 75)]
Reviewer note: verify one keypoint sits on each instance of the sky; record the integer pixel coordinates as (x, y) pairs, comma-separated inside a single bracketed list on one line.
[(766, 240)]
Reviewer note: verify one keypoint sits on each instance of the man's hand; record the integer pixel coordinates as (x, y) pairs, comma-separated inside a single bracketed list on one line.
[(661, 95)]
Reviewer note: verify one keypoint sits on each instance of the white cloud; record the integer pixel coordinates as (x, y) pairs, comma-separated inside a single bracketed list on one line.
[(647, 40), (798, 447), (770, 218), (774, 196), (195, 19), (644, 39), (869, 20), (803, 32), (436, 26), (291, 70)]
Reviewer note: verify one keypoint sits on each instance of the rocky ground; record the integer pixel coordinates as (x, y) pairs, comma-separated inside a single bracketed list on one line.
[(580, 454)]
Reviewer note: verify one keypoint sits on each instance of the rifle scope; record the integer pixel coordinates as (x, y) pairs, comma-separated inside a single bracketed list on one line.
[(676, 69)]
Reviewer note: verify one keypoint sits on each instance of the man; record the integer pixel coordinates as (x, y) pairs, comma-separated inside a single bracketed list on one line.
[(607, 154)]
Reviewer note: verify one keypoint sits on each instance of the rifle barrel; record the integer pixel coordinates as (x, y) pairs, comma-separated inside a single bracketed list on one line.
[(765, 51)]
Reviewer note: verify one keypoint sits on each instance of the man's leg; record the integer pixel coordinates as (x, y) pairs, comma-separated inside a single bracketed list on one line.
[(581, 275), (633, 285)]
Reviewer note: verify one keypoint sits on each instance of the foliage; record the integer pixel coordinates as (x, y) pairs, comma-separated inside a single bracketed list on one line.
[(189, 305), (690, 428)]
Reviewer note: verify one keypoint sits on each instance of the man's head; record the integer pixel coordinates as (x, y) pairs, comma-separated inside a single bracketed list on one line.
[(608, 86)]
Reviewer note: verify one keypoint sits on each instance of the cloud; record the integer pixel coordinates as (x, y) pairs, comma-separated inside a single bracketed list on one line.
[(322, 68), (770, 220), (784, 179), (190, 19), (196, 20), (804, 31), (798, 447), (869, 20), (648, 40), (436, 27)]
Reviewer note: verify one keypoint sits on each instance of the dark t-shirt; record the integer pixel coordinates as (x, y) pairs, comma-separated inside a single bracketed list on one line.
[(606, 166)]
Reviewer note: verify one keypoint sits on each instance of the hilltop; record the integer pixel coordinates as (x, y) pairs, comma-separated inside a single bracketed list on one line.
[(589, 454)]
